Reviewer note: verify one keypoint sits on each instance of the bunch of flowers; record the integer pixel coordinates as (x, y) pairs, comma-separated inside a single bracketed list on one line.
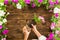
[(55, 18), (3, 20)]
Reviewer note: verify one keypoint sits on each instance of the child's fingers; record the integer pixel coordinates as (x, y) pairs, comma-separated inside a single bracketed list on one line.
[(32, 24)]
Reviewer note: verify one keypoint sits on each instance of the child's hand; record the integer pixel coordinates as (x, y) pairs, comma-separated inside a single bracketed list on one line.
[(25, 31), (34, 27)]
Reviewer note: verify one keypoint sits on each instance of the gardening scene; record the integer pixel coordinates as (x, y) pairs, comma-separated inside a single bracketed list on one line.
[(29, 19)]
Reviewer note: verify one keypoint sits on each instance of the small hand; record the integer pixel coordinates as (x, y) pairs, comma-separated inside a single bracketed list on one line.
[(26, 32), (34, 27)]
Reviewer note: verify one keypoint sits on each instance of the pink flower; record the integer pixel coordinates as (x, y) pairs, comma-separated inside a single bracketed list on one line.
[(40, 1), (0, 26), (3, 38), (51, 36), (5, 2), (15, 1), (42, 18), (57, 32), (56, 15), (51, 6), (51, 2), (52, 25), (57, 2), (27, 1), (33, 5), (5, 32)]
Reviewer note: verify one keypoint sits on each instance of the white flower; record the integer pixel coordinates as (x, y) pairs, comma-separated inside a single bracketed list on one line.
[(8, 13), (2, 13), (18, 6), (1, 3), (4, 20), (57, 32), (56, 10), (1, 23), (3, 39)]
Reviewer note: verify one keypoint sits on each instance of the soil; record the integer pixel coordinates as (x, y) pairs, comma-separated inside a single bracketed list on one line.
[(18, 19)]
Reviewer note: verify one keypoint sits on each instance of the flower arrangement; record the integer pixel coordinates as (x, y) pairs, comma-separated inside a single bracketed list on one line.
[(52, 5)]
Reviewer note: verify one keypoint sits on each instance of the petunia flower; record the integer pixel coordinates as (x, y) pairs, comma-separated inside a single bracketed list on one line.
[(51, 36), (2, 13), (57, 2), (4, 20), (56, 15), (57, 31), (56, 10), (42, 18), (51, 6), (40, 1), (5, 32), (3, 39), (18, 6), (52, 25), (27, 1), (15, 1), (51, 2), (0, 26), (5, 2), (33, 5)]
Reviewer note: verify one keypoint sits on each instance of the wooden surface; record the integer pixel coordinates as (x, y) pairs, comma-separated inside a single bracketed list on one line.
[(18, 19)]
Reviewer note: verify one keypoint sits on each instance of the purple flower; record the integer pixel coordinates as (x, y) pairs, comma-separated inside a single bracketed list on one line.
[(51, 36), (52, 25), (5, 2), (42, 18), (40, 1), (27, 1), (0, 26), (51, 2), (33, 5), (51, 6), (5, 32), (56, 15), (57, 2), (15, 1)]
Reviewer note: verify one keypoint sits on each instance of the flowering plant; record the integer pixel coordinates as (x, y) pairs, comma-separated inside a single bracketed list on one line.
[(53, 5), (3, 20)]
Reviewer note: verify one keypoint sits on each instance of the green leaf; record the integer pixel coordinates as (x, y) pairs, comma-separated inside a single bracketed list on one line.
[(22, 3), (57, 38), (58, 6), (1, 0), (45, 1), (53, 0), (57, 28)]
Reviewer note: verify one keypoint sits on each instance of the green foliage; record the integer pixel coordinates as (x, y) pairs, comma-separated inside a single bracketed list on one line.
[(54, 19), (56, 37), (58, 6), (1, 0), (57, 28), (45, 1), (36, 19), (53, 0), (3, 7), (22, 3), (37, 4)]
